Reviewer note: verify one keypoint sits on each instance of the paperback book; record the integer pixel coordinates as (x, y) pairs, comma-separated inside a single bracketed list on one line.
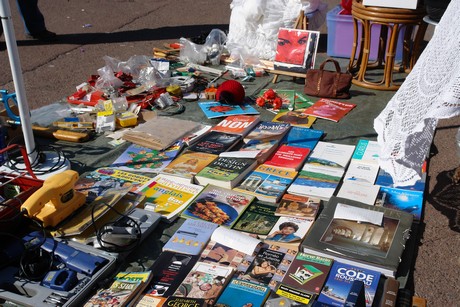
[(399, 199), (142, 159), (218, 205), (367, 151), (225, 172), (258, 219), (329, 109), (259, 150), (215, 142), (289, 232), (267, 183), (289, 157), (295, 118), (191, 237), (243, 293), (362, 192), (167, 196), (355, 233), (331, 155), (237, 124), (119, 293), (338, 285), (298, 206), (214, 109), (188, 164), (303, 137), (266, 131), (365, 173)]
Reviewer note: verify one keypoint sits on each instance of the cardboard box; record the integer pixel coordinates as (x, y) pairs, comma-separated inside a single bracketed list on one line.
[(397, 4), (340, 36)]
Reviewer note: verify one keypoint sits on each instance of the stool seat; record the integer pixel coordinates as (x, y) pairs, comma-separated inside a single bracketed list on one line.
[(392, 22)]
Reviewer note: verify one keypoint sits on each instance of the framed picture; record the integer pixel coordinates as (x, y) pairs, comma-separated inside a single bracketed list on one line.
[(296, 50)]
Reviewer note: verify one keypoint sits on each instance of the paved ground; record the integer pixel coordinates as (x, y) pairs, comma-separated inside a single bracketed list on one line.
[(90, 30)]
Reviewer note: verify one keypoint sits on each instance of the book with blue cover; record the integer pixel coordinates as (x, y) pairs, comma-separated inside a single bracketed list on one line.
[(302, 137), (215, 109), (242, 293)]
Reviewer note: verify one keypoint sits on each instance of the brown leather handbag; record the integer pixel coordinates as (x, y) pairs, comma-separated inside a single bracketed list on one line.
[(328, 84)]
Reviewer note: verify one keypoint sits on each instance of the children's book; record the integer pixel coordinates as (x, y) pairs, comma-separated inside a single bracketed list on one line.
[(265, 131), (338, 284), (305, 277), (289, 157), (362, 192), (298, 206), (243, 293), (237, 124), (329, 109), (302, 137), (205, 281), (169, 270), (191, 237), (289, 231), (225, 171), (188, 164), (295, 118), (258, 219), (267, 183), (228, 247), (214, 109), (215, 142), (267, 267), (218, 205), (257, 149), (167, 196), (142, 159)]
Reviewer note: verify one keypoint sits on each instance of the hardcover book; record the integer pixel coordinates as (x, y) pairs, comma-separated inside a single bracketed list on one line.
[(302, 137), (243, 293), (287, 156), (214, 109), (225, 171), (229, 247), (169, 270), (191, 237), (355, 233), (267, 266), (267, 183), (329, 109), (266, 131), (142, 159), (215, 142), (259, 150), (296, 118), (237, 124), (338, 285), (298, 206), (167, 196), (205, 281), (218, 205), (258, 219), (399, 199), (289, 231), (188, 164)]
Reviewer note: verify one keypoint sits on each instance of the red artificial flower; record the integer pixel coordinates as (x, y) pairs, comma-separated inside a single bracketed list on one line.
[(270, 94), (260, 101)]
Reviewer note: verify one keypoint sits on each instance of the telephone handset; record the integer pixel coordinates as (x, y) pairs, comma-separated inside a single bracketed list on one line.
[(55, 200)]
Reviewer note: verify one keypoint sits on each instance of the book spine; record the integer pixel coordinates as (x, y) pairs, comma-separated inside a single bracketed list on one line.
[(356, 296), (390, 293)]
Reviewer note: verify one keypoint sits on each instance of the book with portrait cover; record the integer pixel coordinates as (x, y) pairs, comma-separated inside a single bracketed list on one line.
[(218, 205), (225, 171), (338, 285), (329, 109), (188, 164), (355, 233), (289, 231), (237, 124), (296, 50), (298, 206), (215, 142), (243, 293), (205, 281), (258, 219)]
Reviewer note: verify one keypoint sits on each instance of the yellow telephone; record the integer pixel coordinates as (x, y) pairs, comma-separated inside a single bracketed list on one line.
[(55, 200)]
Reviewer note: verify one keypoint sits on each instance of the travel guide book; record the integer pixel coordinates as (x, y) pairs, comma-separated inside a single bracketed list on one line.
[(329, 109), (214, 109)]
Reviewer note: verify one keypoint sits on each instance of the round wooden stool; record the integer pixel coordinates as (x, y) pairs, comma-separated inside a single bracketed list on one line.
[(391, 22)]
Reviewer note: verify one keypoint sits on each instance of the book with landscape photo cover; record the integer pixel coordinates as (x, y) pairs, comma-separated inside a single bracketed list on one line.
[(142, 159), (298, 206), (219, 205), (399, 199), (167, 196), (371, 237), (191, 237), (225, 171), (267, 183), (305, 277), (215, 109), (340, 280), (265, 131), (237, 124), (289, 231), (329, 109), (243, 293), (215, 142), (258, 219), (188, 164), (329, 154)]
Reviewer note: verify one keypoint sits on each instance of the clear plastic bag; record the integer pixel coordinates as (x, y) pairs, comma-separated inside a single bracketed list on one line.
[(209, 52)]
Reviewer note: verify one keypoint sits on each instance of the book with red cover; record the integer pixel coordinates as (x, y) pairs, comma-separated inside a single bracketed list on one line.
[(290, 157), (329, 109), (237, 124)]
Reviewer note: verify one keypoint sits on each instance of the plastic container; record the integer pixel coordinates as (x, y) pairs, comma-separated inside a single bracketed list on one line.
[(340, 36), (127, 119)]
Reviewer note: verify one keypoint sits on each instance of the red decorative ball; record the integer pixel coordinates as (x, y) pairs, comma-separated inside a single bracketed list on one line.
[(230, 92)]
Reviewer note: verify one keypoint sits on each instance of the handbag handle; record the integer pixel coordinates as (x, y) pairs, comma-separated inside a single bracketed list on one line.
[(337, 66)]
